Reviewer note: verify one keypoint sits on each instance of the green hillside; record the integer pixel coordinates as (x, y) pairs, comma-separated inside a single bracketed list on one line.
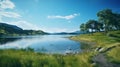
[(12, 30)]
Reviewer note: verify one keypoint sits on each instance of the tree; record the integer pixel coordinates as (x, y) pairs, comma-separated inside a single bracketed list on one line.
[(83, 27), (91, 25), (107, 18), (98, 26), (117, 21), (107, 21)]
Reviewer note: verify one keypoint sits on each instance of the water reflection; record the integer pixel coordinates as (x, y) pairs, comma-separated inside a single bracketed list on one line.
[(43, 43), (6, 40)]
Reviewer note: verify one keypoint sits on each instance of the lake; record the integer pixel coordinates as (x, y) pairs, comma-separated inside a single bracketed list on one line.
[(59, 44)]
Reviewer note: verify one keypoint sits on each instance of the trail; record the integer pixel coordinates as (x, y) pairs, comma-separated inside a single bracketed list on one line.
[(101, 60)]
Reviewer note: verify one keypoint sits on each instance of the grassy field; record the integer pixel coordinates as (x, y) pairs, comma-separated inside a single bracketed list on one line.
[(109, 44), (29, 58), (21, 58)]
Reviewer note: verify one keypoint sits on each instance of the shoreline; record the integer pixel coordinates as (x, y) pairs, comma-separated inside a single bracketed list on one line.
[(93, 56), (100, 48)]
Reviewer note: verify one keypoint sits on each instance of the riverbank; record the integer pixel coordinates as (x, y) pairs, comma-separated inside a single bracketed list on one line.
[(105, 47), (99, 51), (29, 58)]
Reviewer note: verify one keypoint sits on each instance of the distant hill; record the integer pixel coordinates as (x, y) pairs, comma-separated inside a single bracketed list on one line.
[(77, 32), (12, 30), (65, 33)]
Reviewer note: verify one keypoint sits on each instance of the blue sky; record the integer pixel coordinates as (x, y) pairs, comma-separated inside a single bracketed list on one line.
[(53, 15)]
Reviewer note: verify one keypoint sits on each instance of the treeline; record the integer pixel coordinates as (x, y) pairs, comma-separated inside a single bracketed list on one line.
[(12, 30), (107, 21)]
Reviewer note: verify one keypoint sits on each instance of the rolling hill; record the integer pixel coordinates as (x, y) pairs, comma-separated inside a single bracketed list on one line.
[(12, 30)]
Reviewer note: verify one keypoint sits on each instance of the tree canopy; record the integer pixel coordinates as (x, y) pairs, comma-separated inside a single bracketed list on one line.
[(107, 21)]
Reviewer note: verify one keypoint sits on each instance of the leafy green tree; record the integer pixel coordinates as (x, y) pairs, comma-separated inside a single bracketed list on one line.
[(107, 18), (107, 21), (92, 25), (83, 27), (98, 26), (117, 21)]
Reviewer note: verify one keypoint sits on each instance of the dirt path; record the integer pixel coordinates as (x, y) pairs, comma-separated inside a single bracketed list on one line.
[(101, 60)]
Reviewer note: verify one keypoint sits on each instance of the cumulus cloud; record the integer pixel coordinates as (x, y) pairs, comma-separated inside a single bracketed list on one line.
[(4, 4), (29, 26), (10, 14), (25, 25), (68, 17), (8, 4)]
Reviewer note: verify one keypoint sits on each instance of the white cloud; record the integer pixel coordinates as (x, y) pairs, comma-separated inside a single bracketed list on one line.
[(7, 4), (29, 26), (56, 30), (4, 4), (63, 17), (10, 14), (25, 25)]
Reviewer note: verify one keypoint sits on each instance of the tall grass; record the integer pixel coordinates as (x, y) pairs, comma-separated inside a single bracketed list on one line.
[(29, 58), (103, 41), (114, 55), (20, 58), (100, 39)]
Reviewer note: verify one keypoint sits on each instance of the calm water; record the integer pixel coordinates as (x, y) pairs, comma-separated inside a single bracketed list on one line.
[(42, 43)]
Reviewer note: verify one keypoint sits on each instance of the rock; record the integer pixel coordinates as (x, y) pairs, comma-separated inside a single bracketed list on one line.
[(101, 49), (97, 49)]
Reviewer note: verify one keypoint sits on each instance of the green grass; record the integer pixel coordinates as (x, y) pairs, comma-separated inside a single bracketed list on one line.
[(114, 55), (98, 39), (21, 58), (112, 39), (29, 58)]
